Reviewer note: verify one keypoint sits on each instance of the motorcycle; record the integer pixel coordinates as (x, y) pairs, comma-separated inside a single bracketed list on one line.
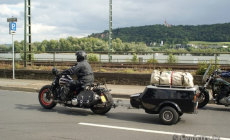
[(220, 89), (93, 96)]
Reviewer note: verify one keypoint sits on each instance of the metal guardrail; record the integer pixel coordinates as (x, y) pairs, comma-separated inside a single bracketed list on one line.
[(129, 65), (55, 58)]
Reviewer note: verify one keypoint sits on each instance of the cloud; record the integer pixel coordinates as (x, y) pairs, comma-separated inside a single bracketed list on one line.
[(40, 28), (177, 12), (11, 10), (13, 2), (52, 19)]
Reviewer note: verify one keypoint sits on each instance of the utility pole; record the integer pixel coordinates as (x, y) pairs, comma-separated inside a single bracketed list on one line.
[(110, 30), (27, 26), (25, 31)]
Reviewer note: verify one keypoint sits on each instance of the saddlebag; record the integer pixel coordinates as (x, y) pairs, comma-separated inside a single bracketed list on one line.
[(87, 98)]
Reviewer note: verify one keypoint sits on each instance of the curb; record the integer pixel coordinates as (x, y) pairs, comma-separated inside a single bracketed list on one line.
[(19, 89)]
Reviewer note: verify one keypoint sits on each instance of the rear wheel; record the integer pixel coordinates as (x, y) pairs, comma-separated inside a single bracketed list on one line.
[(168, 115), (100, 110), (203, 98), (46, 97), (103, 108)]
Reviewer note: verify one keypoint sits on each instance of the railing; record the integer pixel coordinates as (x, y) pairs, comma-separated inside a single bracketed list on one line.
[(121, 59)]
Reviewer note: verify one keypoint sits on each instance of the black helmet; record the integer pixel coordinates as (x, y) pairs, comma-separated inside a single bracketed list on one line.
[(54, 71), (81, 55)]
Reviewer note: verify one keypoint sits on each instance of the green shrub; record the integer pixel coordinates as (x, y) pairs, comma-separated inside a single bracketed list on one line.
[(92, 57), (152, 61), (27, 56), (203, 66), (134, 59), (172, 59)]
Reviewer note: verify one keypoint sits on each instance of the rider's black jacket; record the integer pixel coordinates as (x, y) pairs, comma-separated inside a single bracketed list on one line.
[(83, 71)]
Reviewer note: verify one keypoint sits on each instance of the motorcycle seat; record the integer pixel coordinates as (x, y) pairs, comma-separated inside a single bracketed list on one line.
[(87, 85)]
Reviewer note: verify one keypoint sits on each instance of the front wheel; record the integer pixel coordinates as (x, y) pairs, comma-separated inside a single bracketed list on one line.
[(203, 98), (168, 115), (46, 97)]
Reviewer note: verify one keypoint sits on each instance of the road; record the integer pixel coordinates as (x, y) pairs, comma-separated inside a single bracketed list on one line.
[(22, 118)]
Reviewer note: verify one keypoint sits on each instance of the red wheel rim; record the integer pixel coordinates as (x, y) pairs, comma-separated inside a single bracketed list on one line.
[(44, 100)]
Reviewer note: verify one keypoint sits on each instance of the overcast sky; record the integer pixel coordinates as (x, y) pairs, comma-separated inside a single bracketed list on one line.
[(54, 19)]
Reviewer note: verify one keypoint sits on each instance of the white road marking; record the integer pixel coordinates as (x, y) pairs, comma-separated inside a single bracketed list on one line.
[(149, 131)]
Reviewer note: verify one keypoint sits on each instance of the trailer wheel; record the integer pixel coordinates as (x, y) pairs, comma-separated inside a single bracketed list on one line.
[(168, 115)]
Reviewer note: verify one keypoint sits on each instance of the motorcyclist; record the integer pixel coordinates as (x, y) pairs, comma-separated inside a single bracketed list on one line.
[(82, 70)]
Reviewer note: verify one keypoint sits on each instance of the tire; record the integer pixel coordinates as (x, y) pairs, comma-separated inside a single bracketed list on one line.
[(46, 98), (100, 110), (168, 115), (103, 109), (203, 98)]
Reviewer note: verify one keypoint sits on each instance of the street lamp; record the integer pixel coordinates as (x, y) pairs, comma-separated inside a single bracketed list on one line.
[(12, 30)]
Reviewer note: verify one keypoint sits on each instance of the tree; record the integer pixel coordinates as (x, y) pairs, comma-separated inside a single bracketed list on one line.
[(180, 34), (3, 48), (53, 45), (128, 47), (117, 45), (65, 45), (18, 46), (141, 47)]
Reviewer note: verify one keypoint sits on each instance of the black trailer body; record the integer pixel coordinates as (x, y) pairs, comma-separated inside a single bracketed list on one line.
[(160, 99)]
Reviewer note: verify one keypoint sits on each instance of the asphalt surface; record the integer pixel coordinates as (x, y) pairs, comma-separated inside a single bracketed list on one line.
[(22, 118)]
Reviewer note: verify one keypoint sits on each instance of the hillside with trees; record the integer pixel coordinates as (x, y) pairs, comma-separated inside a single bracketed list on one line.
[(179, 34), (206, 38)]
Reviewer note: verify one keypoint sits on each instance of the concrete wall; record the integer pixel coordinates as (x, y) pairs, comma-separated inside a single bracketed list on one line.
[(109, 78)]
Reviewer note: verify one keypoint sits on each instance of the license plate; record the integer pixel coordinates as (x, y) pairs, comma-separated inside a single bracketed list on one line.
[(103, 98)]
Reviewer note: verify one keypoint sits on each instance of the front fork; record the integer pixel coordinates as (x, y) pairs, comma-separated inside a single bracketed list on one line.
[(54, 91)]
